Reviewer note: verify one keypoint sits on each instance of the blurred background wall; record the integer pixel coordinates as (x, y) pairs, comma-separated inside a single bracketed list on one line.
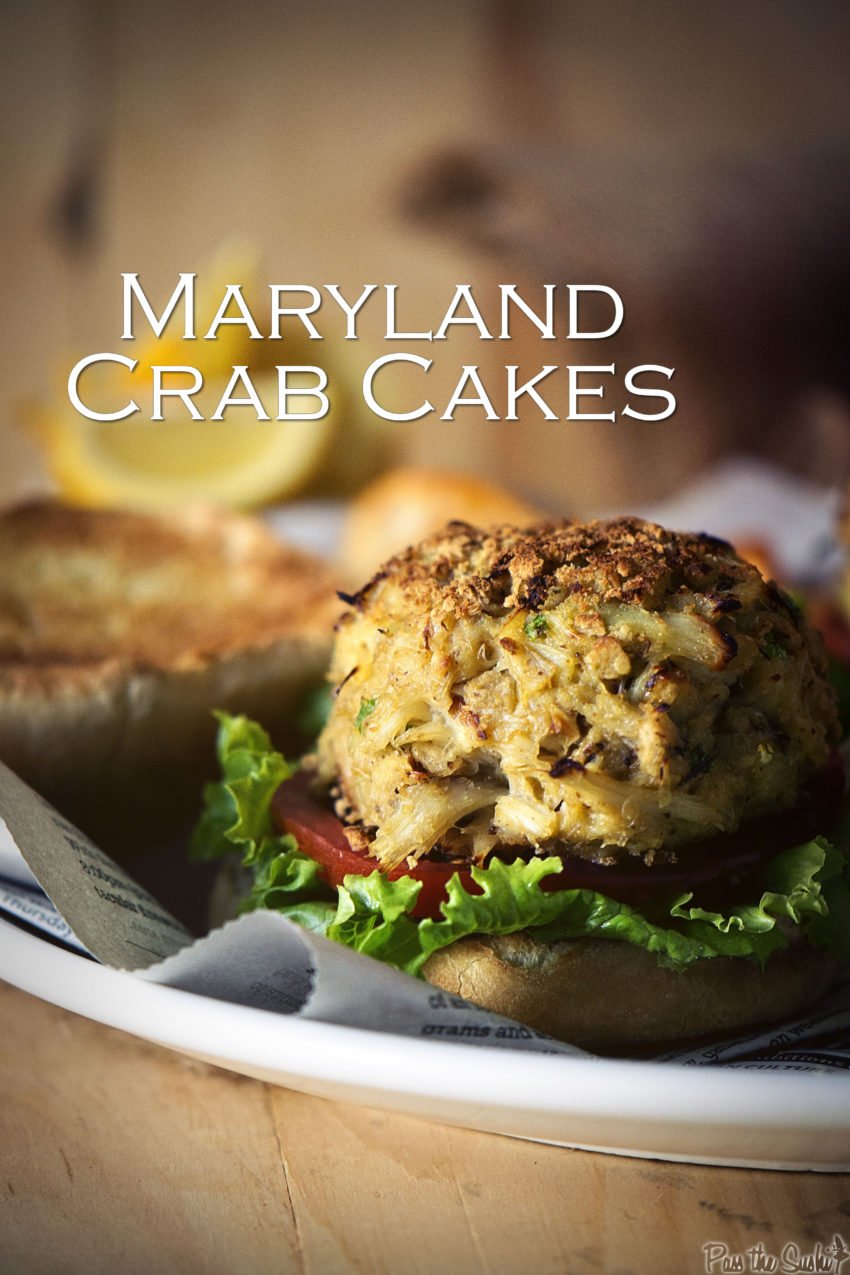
[(477, 142)]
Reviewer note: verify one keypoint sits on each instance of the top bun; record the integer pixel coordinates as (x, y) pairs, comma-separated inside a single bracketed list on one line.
[(612, 687), (119, 634)]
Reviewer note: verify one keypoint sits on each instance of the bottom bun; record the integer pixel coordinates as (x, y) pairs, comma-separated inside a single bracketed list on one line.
[(608, 996)]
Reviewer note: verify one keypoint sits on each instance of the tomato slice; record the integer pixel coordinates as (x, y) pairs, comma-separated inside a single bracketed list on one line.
[(710, 864), (833, 624), (319, 834)]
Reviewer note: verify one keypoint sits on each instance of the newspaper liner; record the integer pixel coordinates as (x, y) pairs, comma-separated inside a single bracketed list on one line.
[(54, 879)]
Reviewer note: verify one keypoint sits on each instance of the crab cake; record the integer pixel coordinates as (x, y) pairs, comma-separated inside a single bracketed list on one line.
[(605, 689)]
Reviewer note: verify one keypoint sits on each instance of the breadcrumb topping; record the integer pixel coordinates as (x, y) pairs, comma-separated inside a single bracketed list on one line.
[(608, 688)]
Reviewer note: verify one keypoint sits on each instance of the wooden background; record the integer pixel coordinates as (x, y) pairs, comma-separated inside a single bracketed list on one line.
[(116, 1156), (142, 137)]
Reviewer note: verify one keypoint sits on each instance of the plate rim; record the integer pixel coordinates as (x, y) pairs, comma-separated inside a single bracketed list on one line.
[(663, 1092)]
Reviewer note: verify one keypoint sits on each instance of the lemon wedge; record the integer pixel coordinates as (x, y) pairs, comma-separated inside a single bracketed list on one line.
[(239, 462)]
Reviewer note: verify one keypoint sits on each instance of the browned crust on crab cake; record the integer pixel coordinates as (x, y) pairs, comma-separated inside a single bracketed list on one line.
[(621, 560)]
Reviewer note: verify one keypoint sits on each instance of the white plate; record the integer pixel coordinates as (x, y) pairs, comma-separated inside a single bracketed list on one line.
[(663, 1111)]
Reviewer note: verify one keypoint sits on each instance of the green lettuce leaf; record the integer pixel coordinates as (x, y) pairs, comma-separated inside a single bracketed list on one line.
[(313, 710), (806, 886), (236, 817)]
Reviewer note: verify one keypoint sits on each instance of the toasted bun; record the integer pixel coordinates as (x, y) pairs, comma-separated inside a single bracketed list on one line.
[(120, 632), (608, 997), (406, 504)]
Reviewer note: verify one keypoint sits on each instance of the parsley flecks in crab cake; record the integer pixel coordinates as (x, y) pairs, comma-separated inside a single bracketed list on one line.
[(611, 689)]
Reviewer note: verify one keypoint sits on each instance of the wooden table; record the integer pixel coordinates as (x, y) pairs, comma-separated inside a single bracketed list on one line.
[(117, 1156)]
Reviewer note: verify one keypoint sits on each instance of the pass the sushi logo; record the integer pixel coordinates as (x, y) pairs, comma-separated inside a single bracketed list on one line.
[(792, 1259)]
